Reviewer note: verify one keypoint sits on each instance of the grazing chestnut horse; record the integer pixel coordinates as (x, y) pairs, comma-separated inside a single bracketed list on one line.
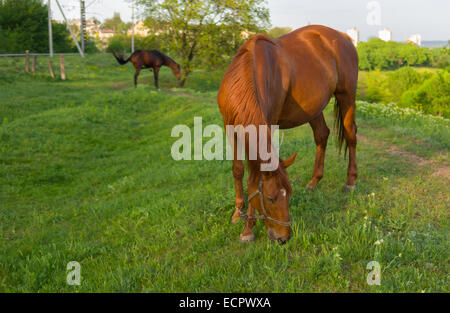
[(143, 59), (288, 82)]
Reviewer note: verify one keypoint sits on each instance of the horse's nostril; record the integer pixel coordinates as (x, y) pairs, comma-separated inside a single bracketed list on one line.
[(282, 241)]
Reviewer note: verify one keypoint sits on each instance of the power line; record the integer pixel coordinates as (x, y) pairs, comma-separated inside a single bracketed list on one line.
[(82, 23), (50, 32), (70, 29), (132, 25)]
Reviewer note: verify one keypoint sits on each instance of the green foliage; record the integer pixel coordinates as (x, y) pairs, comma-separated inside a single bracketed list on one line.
[(401, 80), (116, 24), (440, 57), (432, 97), (378, 54), (203, 32), (279, 31), (24, 26), (62, 41), (371, 88), (122, 42), (425, 91)]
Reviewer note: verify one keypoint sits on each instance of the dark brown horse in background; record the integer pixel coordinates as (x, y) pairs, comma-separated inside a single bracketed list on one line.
[(288, 82), (143, 59)]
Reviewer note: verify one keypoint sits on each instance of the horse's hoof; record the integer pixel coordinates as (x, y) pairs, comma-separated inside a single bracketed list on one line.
[(310, 188), (247, 238), (349, 188)]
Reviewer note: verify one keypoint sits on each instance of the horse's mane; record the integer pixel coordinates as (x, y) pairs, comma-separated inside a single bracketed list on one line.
[(166, 58), (242, 101), (243, 105)]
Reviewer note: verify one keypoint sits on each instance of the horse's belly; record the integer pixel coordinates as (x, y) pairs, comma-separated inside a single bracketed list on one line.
[(296, 113)]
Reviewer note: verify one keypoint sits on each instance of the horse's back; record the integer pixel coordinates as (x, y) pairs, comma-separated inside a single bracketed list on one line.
[(323, 62), (147, 58), (320, 48), (292, 78)]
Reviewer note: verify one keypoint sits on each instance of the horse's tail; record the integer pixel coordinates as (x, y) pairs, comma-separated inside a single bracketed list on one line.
[(339, 126), (121, 59)]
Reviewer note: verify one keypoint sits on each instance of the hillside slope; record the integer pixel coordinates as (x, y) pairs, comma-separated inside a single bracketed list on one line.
[(86, 175)]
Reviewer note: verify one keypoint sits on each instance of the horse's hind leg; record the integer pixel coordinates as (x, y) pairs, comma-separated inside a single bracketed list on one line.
[(346, 103), (321, 133), (238, 173)]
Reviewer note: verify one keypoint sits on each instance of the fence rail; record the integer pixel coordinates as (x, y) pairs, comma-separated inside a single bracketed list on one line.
[(14, 55), (17, 55), (34, 57)]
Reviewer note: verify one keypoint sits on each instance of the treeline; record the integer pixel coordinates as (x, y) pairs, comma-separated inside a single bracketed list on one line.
[(378, 54), (24, 26), (426, 90)]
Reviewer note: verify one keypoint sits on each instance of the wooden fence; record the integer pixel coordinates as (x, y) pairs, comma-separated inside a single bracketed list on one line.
[(34, 59)]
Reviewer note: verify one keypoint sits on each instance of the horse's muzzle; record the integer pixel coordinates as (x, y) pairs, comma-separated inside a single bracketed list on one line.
[(280, 239)]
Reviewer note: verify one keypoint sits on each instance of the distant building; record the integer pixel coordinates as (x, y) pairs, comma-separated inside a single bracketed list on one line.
[(385, 34), (75, 21), (105, 34), (93, 26), (415, 39), (139, 29), (354, 35)]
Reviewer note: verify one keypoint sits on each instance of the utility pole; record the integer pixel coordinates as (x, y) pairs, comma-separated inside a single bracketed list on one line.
[(82, 24), (50, 32), (70, 29), (132, 31)]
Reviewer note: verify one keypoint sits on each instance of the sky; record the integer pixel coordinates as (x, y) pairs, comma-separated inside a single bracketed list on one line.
[(429, 18)]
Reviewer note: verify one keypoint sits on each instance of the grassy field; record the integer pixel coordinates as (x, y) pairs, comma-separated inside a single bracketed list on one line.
[(86, 175)]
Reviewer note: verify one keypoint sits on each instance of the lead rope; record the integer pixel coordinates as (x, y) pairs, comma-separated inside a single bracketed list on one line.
[(261, 199)]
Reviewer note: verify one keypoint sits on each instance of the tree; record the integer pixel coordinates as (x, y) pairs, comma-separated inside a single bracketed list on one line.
[(24, 26), (196, 28), (116, 24), (279, 31), (377, 54)]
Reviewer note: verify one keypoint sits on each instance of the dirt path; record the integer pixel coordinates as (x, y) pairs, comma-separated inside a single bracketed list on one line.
[(441, 169)]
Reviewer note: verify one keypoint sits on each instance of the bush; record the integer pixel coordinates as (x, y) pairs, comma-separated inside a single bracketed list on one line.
[(401, 80), (425, 91), (377, 54), (432, 97)]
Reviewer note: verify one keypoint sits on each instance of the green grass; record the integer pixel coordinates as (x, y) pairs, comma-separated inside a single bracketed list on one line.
[(86, 175)]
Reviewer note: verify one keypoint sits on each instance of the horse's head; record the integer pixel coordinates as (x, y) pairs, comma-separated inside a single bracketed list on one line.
[(177, 71), (270, 196)]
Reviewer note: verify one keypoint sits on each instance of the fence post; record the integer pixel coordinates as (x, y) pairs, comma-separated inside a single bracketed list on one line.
[(50, 67), (33, 65), (63, 71), (27, 61)]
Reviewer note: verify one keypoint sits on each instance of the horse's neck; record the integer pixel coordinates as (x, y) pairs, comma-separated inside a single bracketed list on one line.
[(169, 62)]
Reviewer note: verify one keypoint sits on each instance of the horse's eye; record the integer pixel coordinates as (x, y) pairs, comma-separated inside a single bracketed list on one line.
[(271, 199)]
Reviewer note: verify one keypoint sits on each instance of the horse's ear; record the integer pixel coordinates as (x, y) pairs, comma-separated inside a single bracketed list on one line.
[(288, 162)]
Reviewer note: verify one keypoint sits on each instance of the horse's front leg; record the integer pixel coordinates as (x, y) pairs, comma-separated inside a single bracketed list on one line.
[(247, 233), (156, 74)]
